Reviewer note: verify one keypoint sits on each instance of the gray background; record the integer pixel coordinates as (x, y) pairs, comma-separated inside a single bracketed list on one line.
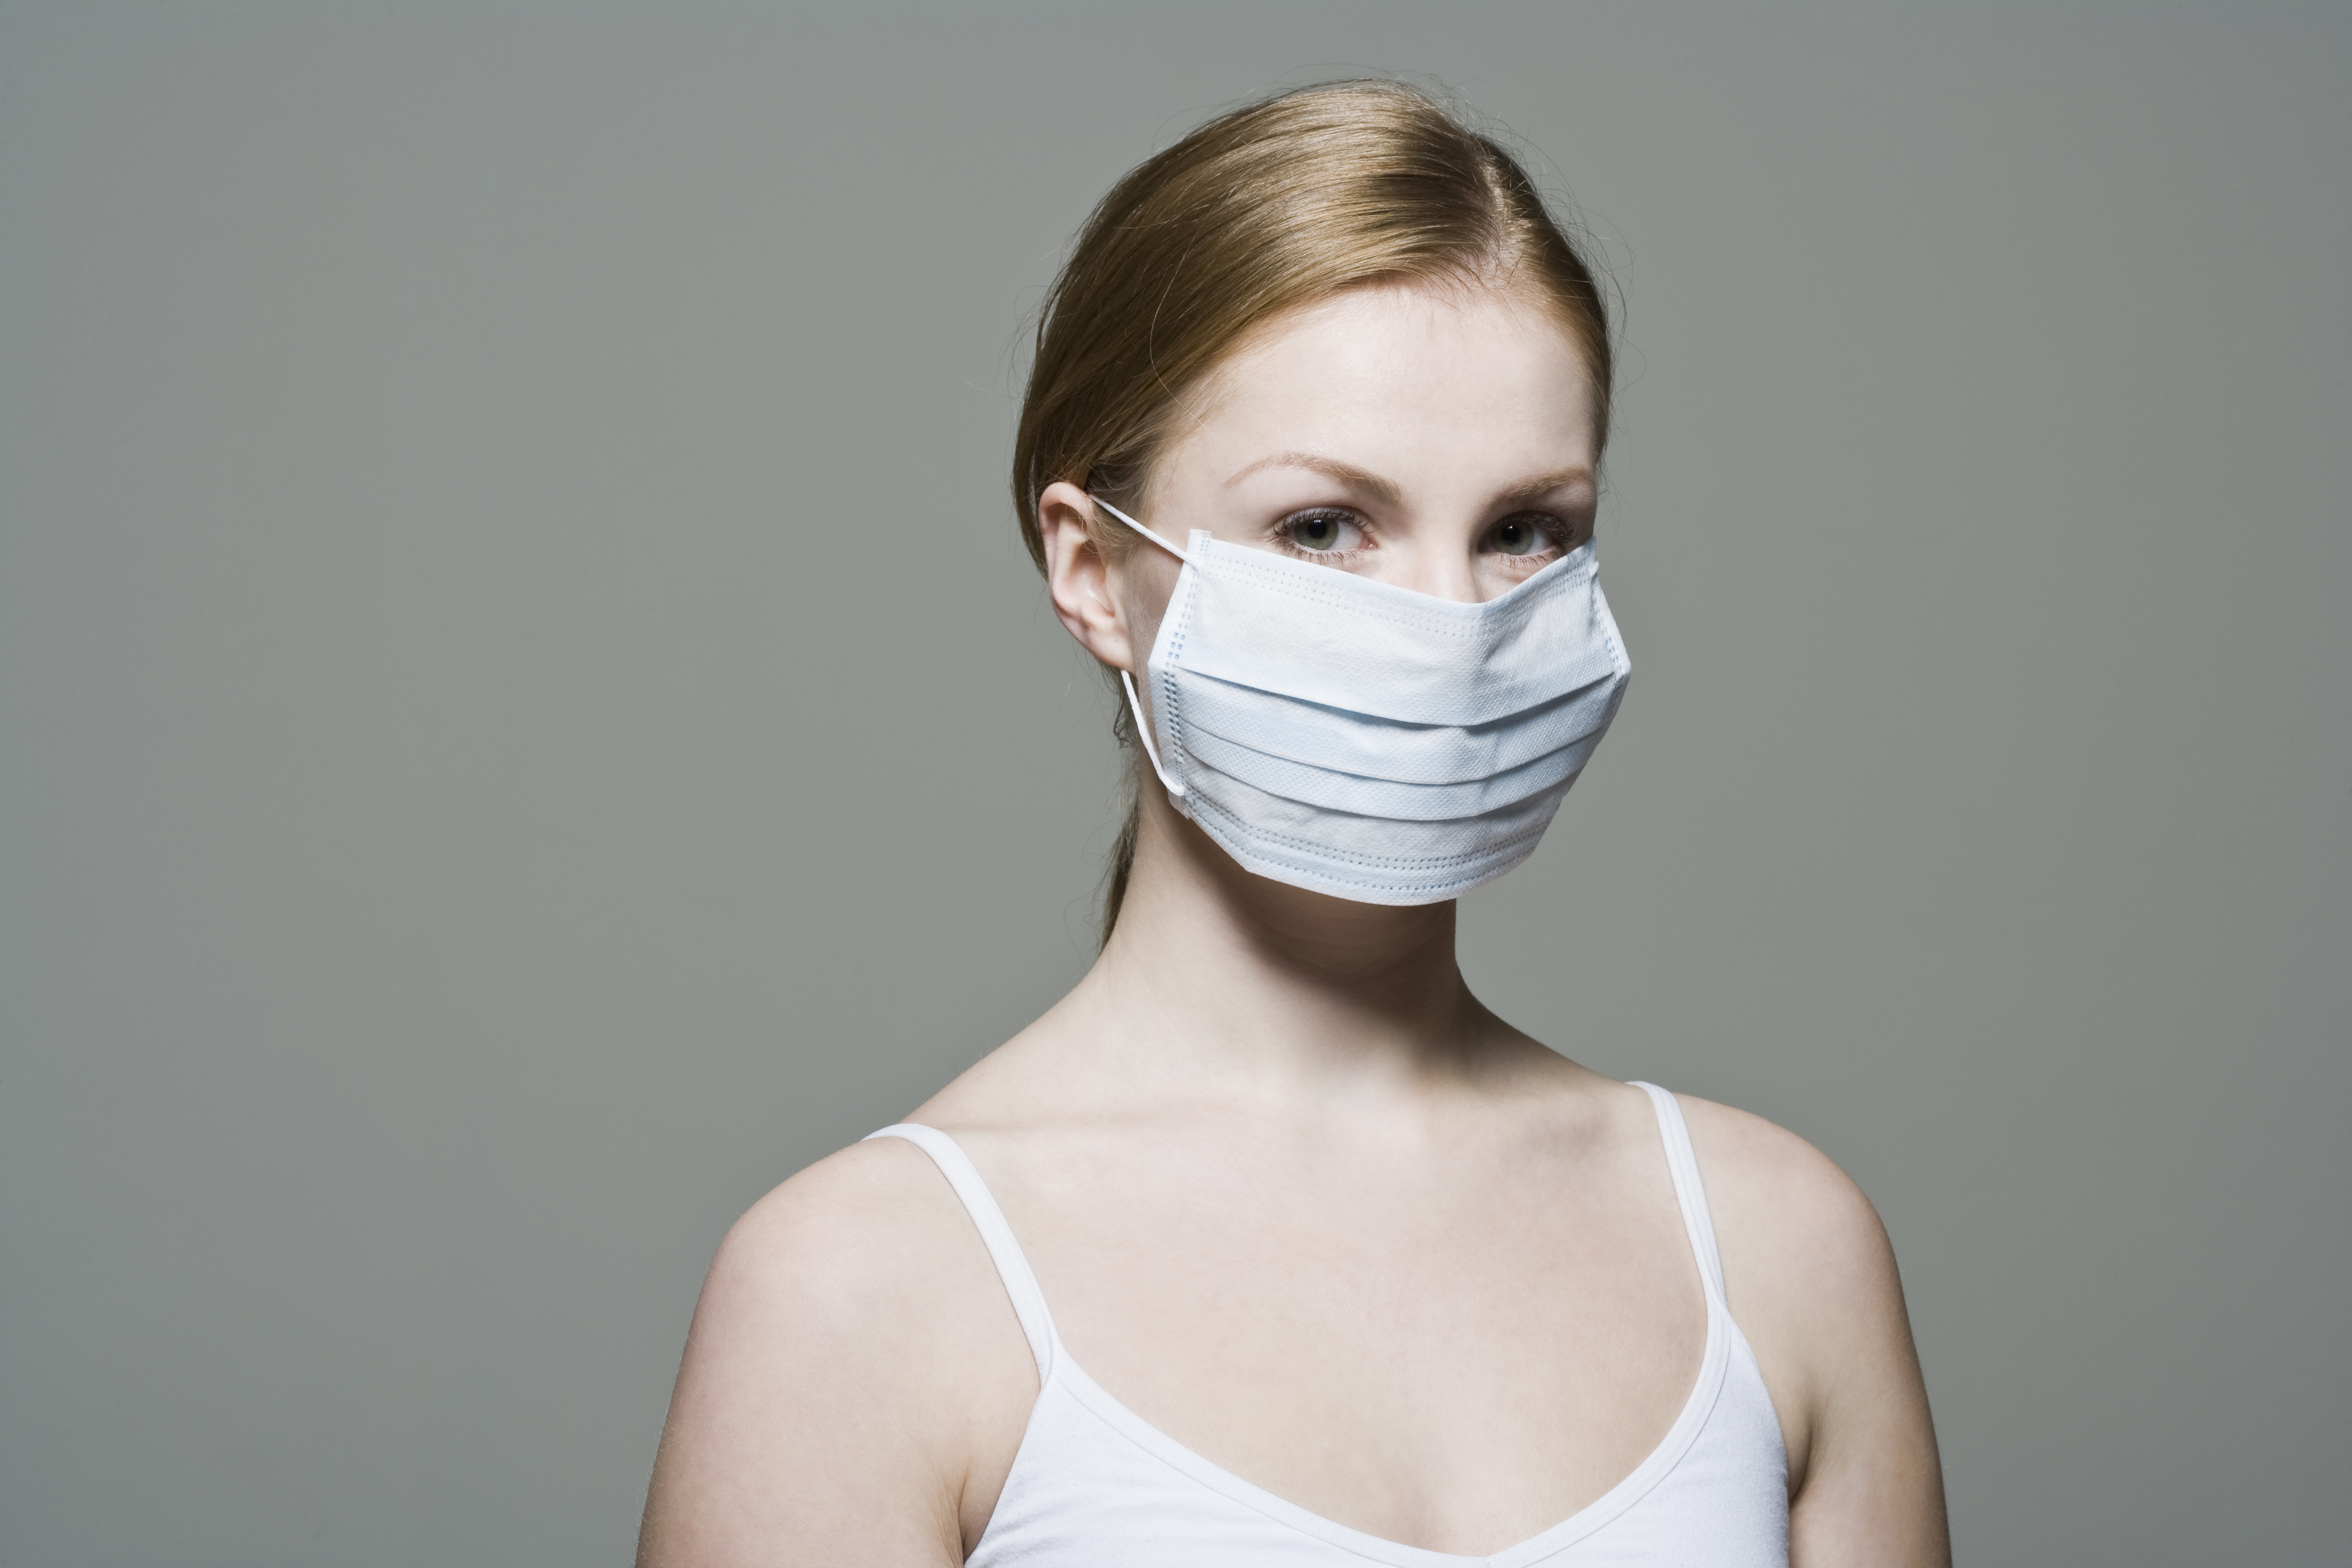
[(523, 719)]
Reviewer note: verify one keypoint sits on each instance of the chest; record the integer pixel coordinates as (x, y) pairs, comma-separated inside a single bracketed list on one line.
[(1454, 1359)]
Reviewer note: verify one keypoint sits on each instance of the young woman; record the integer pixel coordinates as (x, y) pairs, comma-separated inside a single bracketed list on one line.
[(1268, 1245)]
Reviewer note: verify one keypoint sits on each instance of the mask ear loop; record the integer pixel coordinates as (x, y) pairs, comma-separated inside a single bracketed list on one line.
[(1141, 530), (1134, 704), (1143, 733)]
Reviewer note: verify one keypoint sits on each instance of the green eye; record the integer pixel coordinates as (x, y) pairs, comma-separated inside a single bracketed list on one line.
[(1517, 536), (1317, 532)]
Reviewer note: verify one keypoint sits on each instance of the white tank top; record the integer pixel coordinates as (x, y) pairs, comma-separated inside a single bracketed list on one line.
[(1096, 1486)]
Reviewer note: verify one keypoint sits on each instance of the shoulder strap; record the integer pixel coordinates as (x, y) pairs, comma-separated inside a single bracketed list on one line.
[(1020, 1284), (1689, 1191)]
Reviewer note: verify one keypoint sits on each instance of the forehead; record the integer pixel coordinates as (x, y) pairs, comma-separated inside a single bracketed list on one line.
[(1401, 370)]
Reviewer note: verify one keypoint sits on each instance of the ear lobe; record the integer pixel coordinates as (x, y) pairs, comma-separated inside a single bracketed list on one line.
[(1078, 579)]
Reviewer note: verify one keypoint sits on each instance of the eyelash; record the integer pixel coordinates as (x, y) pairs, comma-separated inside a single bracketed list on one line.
[(1282, 533), (1552, 529)]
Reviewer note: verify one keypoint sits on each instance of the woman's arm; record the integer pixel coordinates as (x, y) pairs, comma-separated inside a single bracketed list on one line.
[(854, 1384), (1811, 1280)]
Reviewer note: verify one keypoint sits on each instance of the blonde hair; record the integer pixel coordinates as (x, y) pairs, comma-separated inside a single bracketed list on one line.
[(1263, 210)]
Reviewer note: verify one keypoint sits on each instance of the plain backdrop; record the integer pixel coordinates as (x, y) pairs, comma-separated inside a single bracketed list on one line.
[(524, 719)]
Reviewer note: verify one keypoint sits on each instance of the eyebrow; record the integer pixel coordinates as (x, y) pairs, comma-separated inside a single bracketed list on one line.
[(1543, 484), (1347, 474), (1385, 489)]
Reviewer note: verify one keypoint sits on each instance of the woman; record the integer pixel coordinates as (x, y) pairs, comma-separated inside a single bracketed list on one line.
[(1268, 1244)]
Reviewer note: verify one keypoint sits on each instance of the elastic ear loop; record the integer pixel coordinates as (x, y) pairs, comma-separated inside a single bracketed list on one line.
[(1134, 703), (1143, 733)]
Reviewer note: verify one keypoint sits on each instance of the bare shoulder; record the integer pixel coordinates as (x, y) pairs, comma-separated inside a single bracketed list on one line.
[(1810, 1278), (838, 1242), (850, 1368), (1783, 1208), (1807, 1265)]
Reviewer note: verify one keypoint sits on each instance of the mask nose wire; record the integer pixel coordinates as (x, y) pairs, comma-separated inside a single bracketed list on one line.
[(1135, 704)]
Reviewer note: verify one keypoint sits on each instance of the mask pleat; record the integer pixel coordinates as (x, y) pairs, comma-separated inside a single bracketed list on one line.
[(1340, 733)]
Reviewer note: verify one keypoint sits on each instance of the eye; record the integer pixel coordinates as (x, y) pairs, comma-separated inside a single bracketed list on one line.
[(1321, 532), (1522, 536)]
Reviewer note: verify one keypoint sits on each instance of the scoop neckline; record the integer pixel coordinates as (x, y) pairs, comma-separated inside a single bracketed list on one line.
[(1715, 1360)]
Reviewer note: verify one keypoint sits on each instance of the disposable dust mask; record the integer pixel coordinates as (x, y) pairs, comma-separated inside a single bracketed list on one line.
[(1365, 741)]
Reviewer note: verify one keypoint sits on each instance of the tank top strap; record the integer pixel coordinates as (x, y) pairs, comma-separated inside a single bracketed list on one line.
[(1690, 1194), (1012, 1267)]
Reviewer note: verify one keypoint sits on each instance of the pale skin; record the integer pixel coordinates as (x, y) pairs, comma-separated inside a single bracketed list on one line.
[(1293, 1195)]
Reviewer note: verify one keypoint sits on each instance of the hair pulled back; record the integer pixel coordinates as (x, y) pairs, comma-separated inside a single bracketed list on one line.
[(1263, 210)]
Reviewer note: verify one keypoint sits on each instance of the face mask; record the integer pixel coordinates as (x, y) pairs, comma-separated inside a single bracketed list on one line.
[(1365, 741)]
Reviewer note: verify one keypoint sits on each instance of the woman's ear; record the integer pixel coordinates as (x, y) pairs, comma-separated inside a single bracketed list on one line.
[(1078, 578)]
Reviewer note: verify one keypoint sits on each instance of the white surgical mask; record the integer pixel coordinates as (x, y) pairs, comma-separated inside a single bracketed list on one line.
[(1347, 735)]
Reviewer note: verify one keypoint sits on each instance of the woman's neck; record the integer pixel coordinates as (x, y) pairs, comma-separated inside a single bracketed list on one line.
[(1229, 983)]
